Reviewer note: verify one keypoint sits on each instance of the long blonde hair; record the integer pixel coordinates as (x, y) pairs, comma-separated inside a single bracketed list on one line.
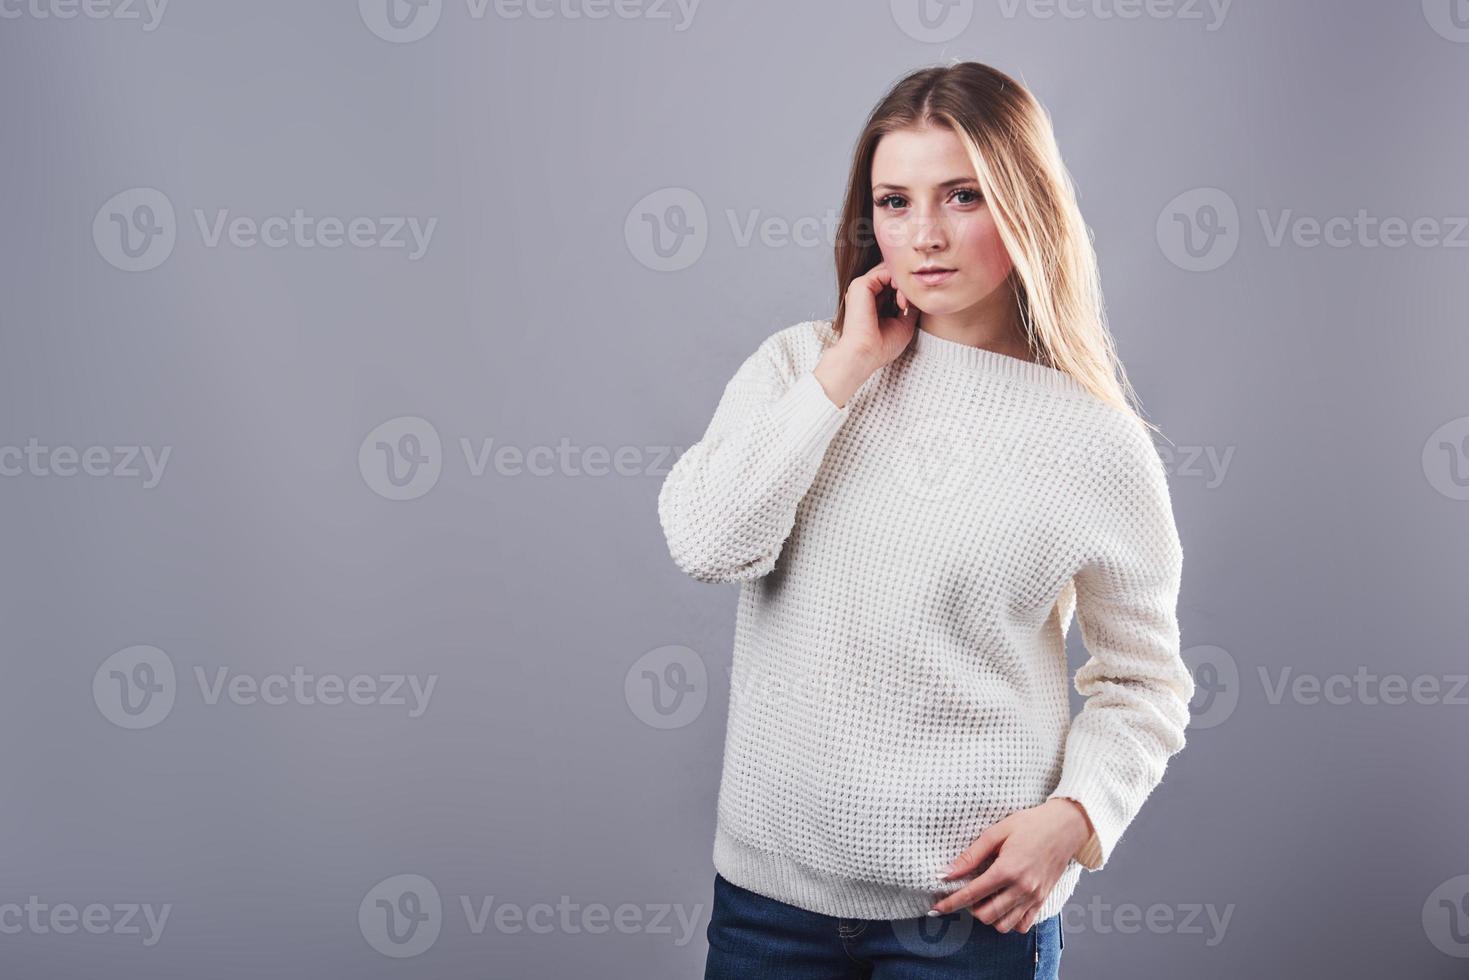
[(1008, 136)]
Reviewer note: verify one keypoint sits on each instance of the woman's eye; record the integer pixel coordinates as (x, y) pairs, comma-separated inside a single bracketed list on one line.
[(974, 197)]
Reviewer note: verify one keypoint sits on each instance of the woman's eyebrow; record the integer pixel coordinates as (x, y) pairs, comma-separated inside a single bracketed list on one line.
[(948, 183)]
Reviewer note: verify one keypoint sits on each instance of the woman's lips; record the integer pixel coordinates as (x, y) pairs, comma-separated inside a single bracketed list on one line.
[(934, 278)]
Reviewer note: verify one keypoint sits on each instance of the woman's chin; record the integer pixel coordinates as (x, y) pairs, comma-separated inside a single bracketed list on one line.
[(934, 305)]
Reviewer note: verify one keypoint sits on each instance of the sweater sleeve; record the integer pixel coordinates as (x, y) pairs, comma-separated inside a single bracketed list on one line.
[(1136, 684), (729, 502)]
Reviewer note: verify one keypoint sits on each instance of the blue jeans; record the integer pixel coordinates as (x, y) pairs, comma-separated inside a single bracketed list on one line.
[(754, 936)]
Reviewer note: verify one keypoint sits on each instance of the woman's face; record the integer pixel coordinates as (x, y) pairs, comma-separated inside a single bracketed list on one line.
[(928, 211)]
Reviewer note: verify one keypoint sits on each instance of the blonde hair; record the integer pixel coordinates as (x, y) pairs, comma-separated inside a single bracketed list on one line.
[(1008, 136)]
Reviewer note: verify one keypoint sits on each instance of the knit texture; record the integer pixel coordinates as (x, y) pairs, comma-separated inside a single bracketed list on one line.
[(909, 564)]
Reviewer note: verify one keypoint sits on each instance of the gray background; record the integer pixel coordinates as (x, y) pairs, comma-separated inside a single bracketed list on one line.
[(1330, 834)]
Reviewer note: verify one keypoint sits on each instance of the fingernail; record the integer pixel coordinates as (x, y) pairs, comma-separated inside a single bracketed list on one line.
[(933, 912)]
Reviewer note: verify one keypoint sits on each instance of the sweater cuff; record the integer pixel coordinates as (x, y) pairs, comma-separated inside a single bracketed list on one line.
[(807, 417), (1089, 854), (1084, 779)]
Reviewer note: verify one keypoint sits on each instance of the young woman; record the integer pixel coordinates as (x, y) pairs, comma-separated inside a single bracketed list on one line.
[(915, 496)]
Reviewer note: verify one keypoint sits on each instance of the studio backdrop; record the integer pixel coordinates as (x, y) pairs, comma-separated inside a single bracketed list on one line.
[(345, 346)]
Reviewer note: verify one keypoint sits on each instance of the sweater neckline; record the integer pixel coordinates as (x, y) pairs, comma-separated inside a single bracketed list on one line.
[(927, 346)]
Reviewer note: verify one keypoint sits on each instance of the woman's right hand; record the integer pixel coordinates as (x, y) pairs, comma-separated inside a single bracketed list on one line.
[(869, 337), (868, 341)]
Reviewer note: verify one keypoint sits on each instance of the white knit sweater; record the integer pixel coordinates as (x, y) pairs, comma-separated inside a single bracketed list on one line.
[(909, 564)]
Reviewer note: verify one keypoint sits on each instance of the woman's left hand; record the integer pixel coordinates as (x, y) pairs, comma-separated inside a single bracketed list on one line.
[(1031, 849)]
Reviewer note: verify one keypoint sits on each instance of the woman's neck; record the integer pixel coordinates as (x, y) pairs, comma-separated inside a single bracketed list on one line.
[(992, 323)]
